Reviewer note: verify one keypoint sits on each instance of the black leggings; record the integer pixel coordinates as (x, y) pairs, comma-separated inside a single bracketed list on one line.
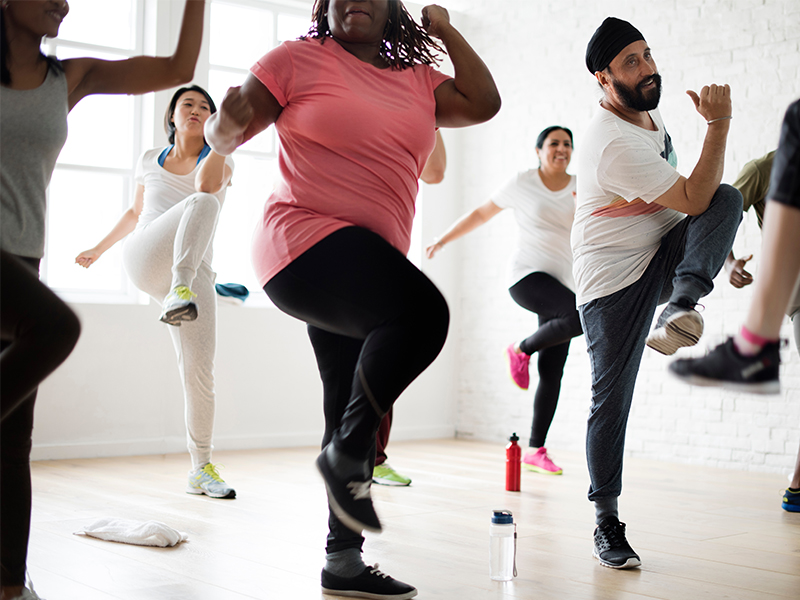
[(375, 321), (38, 333), (559, 322)]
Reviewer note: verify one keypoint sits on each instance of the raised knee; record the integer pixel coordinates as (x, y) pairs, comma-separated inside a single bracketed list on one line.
[(205, 201), (731, 196)]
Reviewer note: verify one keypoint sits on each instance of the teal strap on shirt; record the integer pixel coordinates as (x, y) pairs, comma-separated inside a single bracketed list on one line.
[(163, 156)]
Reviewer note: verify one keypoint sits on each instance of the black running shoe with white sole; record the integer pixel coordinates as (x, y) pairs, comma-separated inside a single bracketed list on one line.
[(611, 548), (371, 583), (349, 495), (725, 367), (677, 326)]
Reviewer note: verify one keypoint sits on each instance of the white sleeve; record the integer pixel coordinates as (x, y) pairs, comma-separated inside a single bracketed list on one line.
[(139, 172), (634, 170), (506, 196)]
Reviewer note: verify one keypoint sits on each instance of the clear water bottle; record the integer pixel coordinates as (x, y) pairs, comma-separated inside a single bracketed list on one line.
[(502, 546)]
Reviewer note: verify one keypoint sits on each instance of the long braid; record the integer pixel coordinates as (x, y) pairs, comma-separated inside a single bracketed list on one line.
[(405, 42)]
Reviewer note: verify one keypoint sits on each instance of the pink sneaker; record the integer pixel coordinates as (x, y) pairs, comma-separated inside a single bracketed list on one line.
[(539, 462), (518, 366)]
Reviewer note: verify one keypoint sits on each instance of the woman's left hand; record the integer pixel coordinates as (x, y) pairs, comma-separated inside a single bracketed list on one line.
[(434, 19)]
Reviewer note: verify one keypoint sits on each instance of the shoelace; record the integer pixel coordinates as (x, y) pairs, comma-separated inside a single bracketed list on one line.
[(375, 571), (614, 535), (211, 471), (184, 293), (360, 489)]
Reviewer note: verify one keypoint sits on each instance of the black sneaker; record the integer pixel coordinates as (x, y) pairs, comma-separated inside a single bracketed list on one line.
[(677, 326), (372, 583), (725, 367), (610, 546), (349, 497)]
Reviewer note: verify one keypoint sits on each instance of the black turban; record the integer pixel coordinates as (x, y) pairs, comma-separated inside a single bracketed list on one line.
[(608, 41)]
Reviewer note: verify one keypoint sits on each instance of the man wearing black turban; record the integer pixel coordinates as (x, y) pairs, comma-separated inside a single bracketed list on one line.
[(643, 235)]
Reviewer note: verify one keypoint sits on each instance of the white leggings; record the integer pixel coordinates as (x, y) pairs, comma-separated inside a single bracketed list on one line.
[(175, 249)]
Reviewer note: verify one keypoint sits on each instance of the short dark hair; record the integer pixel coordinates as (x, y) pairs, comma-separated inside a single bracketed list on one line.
[(405, 42), (545, 132), (169, 125)]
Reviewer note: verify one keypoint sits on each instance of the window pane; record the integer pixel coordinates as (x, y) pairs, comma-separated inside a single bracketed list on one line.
[(291, 27), (83, 207), (218, 84), (244, 203), (101, 22), (239, 35), (101, 133)]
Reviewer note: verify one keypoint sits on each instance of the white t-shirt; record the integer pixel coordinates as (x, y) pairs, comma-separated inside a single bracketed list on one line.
[(618, 228), (544, 218), (162, 189)]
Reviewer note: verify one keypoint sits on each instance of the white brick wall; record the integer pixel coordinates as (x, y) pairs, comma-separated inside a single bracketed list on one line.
[(535, 50)]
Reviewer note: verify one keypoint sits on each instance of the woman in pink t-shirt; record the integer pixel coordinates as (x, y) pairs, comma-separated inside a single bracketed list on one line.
[(356, 104)]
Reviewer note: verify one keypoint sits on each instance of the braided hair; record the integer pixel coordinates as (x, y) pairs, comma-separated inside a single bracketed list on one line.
[(405, 43)]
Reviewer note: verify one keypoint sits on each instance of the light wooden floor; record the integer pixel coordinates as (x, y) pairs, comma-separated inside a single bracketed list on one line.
[(702, 533)]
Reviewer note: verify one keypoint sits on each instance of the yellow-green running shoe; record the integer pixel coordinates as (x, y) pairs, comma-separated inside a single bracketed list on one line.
[(386, 475), (206, 480), (178, 306)]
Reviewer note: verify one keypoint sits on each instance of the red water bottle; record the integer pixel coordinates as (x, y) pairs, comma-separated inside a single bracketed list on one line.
[(513, 464)]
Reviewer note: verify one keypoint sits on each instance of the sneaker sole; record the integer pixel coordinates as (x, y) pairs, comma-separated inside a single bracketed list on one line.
[(680, 332), (762, 387), (177, 315), (536, 469), (391, 483), (198, 492), (790, 507), (348, 520), (357, 594), (631, 563)]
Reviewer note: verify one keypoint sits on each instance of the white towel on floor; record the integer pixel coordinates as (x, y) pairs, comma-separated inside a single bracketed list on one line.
[(141, 533)]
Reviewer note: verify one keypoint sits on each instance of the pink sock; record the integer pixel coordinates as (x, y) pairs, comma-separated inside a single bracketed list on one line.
[(749, 343)]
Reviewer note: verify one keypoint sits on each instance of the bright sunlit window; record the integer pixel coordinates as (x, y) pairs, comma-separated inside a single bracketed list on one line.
[(93, 181)]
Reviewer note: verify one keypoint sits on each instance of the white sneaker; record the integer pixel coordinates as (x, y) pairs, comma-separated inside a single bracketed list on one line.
[(207, 481), (178, 306)]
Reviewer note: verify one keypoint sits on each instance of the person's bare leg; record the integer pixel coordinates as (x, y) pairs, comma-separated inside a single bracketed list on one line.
[(778, 271)]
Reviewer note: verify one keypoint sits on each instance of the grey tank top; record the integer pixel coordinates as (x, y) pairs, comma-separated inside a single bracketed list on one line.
[(33, 129)]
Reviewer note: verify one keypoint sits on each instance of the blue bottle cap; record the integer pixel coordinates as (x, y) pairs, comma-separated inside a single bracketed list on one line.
[(502, 517)]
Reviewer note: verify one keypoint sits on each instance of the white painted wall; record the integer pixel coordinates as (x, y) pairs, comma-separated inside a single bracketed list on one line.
[(119, 392)]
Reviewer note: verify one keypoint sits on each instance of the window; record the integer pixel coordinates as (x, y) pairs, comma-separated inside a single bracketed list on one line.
[(93, 181)]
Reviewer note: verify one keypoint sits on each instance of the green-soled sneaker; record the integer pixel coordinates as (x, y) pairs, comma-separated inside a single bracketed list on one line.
[(386, 475)]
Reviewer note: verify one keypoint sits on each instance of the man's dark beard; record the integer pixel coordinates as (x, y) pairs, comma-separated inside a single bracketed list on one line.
[(635, 99)]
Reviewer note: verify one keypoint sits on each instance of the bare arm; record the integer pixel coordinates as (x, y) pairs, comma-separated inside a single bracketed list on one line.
[(434, 169), (464, 225), (125, 225), (213, 174), (471, 97), (244, 112), (693, 195), (140, 74)]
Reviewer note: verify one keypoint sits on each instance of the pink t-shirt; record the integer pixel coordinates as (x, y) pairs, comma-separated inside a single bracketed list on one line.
[(354, 140)]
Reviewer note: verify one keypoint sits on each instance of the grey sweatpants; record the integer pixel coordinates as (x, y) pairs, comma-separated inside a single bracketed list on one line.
[(175, 249)]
